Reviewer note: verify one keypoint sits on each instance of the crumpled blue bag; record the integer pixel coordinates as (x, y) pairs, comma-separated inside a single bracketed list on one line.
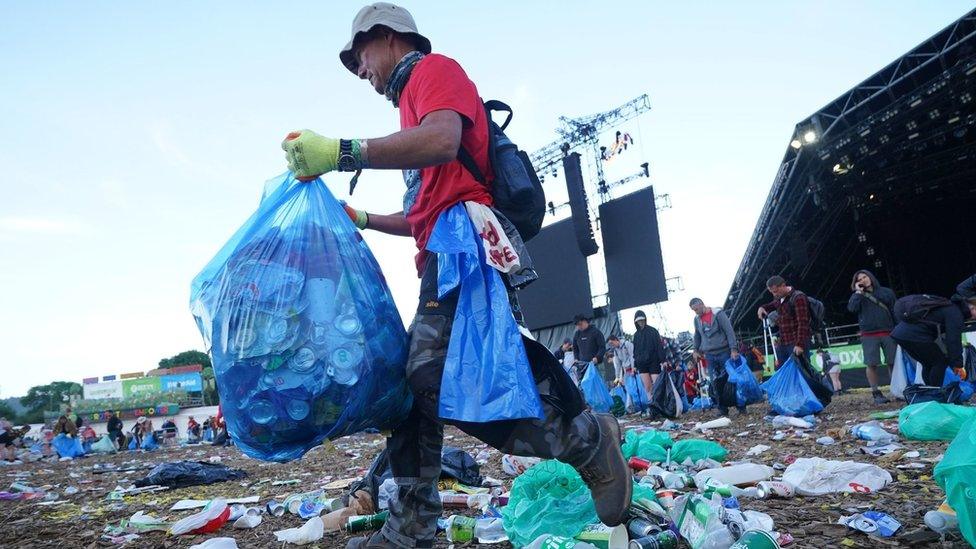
[(133, 444), (66, 446), (747, 389), (789, 394), (966, 388), (595, 390), (149, 442), (306, 341), (636, 391), (487, 376)]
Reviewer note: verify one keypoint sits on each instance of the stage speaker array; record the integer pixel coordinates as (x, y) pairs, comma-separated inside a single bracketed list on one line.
[(632, 249), (579, 205)]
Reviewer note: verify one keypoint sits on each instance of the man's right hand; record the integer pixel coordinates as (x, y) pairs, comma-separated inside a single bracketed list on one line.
[(761, 313), (359, 218)]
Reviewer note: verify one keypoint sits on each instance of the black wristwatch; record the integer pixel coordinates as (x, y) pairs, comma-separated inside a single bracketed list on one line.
[(347, 161)]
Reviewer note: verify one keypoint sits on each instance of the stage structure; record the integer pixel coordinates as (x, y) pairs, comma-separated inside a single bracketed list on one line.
[(882, 178), (548, 302)]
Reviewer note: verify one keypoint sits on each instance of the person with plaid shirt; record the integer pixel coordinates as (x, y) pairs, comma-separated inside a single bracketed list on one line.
[(793, 319)]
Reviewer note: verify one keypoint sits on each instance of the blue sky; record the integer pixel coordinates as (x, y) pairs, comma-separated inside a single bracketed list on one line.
[(135, 138)]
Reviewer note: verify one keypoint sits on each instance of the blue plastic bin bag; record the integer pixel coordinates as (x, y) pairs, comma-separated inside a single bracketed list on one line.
[(133, 444), (789, 394), (149, 442), (66, 446), (636, 391), (747, 389), (306, 342), (595, 390), (619, 391), (966, 388), (487, 376)]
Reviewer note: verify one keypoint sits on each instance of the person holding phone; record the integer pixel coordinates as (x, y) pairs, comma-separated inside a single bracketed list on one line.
[(874, 306)]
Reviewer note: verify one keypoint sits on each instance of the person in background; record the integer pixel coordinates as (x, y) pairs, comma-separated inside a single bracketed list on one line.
[(755, 359), (793, 320), (623, 357), (935, 338), (589, 347), (87, 435), (65, 426), (8, 439), (564, 354), (832, 366), (874, 305), (115, 430), (192, 430), (648, 352), (208, 429), (715, 342), (168, 429)]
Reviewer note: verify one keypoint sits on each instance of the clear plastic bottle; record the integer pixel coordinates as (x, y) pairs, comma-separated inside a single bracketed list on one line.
[(461, 529), (872, 432)]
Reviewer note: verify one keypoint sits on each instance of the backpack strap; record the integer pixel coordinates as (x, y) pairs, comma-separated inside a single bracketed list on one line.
[(878, 302), (496, 105), (468, 162)]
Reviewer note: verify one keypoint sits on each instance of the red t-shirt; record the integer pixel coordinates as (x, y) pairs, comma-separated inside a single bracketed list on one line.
[(707, 317), (439, 83)]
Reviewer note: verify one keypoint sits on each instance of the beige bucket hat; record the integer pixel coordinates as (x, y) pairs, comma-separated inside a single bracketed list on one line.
[(387, 15)]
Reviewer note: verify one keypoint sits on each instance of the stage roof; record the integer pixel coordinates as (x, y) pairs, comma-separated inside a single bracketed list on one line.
[(882, 178)]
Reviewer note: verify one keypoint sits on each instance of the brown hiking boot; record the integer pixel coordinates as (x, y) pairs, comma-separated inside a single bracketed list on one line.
[(607, 474)]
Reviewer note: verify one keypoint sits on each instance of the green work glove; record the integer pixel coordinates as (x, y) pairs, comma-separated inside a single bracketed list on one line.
[(358, 217), (309, 154)]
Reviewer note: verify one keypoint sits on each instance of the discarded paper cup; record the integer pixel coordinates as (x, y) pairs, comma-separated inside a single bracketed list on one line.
[(275, 509), (666, 498), (604, 537), (248, 520), (774, 489), (331, 504), (755, 539)]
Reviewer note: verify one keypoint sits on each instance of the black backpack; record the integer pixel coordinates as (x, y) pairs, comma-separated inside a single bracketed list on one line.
[(516, 189), (914, 308), (817, 310)]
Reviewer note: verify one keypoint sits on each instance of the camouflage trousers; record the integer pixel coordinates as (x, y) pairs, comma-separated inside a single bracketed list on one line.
[(566, 433)]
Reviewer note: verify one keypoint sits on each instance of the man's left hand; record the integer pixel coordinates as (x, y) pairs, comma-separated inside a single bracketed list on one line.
[(310, 155), (735, 355), (961, 372), (797, 350)]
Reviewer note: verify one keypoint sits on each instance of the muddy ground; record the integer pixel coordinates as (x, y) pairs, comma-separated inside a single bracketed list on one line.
[(811, 521)]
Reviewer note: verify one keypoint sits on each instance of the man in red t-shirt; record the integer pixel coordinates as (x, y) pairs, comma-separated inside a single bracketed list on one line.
[(440, 110)]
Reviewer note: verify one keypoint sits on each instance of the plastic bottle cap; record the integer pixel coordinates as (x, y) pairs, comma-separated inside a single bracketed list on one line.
[(303, 361), (297, 409), (262, 411)]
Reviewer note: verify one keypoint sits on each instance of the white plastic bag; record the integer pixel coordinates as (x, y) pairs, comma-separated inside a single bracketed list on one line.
[(216, 543), (818, 476), (514, 466), (199, 520), (899, 377), (310, 532)]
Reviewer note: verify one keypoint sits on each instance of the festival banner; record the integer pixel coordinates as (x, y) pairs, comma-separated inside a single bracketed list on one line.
[(141, 386), (104, 390), (189, 382)]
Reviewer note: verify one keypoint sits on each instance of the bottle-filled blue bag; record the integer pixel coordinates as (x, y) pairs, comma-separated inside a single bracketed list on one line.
[(306, 341), (747, 389), (789, 393), (595, 390)]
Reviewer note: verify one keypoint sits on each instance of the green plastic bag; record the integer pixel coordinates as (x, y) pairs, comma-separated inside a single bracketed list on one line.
[(933, 420), (956, 474), (697, 449), (103, 445), (548, 498), (641, 443)]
